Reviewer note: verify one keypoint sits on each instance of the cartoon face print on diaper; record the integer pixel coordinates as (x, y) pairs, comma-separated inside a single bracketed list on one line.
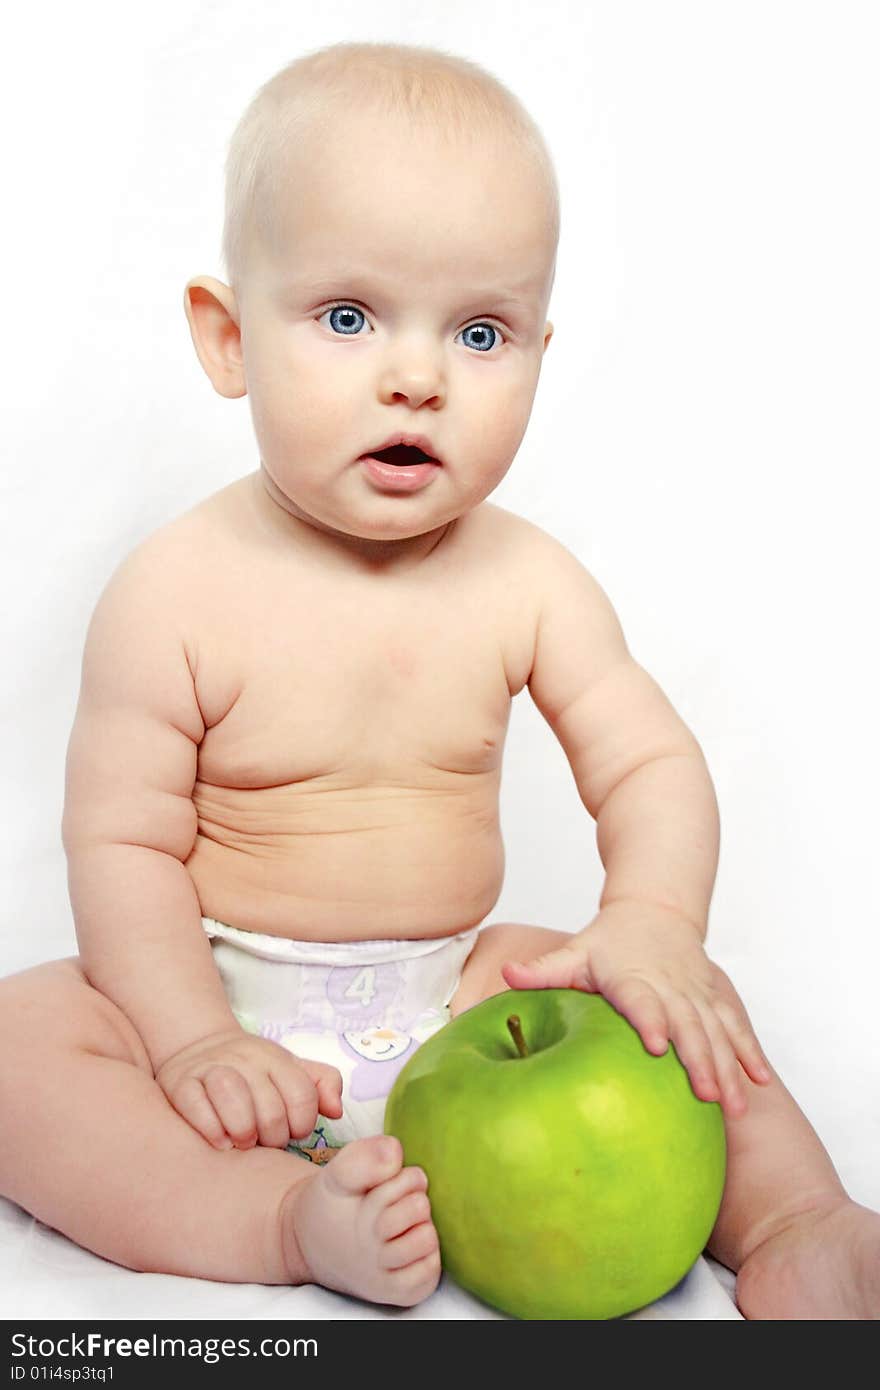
[(378, 1044), (362, 994), (379, 1054)]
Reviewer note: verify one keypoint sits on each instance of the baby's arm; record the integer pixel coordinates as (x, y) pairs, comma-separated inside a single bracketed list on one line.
[(642, 776), (129, 826)]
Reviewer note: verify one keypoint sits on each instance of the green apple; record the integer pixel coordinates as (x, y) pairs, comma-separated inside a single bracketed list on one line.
[(581, 1180)]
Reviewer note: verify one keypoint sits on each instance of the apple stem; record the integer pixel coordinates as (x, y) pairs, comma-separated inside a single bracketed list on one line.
[(516, 1033)]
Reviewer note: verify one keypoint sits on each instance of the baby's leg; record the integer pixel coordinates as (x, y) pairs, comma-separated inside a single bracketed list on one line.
[(503, 941), (90, 1145), (800, 1246)]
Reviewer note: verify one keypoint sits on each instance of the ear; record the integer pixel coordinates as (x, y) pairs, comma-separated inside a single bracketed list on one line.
[(548, 333), (214, 322)]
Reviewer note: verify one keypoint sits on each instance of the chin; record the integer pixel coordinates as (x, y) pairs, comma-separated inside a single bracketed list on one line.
[(396, 522), (398, 531), (397, 519), (383, 530)]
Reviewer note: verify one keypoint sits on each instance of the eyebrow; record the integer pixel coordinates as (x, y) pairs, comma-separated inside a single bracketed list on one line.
[(501, 296)]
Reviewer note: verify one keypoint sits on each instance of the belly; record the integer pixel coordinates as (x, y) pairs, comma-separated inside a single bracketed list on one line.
[(327, 861)]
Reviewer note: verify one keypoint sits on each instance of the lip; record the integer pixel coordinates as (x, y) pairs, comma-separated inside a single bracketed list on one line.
[(391, 477), (416, 441)]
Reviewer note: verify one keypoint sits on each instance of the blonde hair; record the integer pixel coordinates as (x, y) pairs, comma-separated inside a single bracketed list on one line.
[(441, 91)]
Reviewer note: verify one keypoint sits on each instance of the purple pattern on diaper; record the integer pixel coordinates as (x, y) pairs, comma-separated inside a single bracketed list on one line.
[(311, 997), (363, 994), (372, 1077)]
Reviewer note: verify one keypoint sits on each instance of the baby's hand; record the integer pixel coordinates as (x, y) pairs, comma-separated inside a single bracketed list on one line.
[(649, 963), (238, 1090)]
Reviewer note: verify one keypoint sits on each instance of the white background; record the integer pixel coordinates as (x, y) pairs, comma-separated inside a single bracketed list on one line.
[(705, 436)]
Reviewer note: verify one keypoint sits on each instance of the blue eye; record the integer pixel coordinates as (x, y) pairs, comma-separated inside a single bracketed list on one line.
[(484, 336), (345, 318)]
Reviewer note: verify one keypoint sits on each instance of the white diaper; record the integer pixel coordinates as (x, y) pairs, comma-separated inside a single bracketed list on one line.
[(362, 1006)]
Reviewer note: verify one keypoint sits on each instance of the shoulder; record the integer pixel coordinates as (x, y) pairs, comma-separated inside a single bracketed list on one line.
[(565, 600), (208, 529), (168, 581), (179, 553), (505, 536), (535, 562), (543, 592)]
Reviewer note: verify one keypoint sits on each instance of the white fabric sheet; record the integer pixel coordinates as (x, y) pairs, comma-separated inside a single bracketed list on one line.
[(43, 1275)]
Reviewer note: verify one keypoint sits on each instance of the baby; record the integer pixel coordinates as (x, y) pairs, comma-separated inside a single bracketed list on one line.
[(281, 814)]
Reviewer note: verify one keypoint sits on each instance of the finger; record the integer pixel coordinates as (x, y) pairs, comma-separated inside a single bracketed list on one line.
[(231, 1097), (732, 1092), (640, 1003), (273, 1128), (328, 1083), (744, 1041), (564, 968), (191, 1102), (692, 1045), (298, 1092)]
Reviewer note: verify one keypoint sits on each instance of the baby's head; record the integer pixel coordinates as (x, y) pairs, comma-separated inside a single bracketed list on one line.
[(392, 217)]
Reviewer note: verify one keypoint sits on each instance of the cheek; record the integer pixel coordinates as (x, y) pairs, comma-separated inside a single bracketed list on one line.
[(499, 414), (293, 393)]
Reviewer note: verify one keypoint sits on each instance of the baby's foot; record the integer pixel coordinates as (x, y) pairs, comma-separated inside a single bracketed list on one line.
[(362, 1225), (824, 1265)]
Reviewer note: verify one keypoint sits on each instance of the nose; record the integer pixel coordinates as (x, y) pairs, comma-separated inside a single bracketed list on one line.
[(412, 372)]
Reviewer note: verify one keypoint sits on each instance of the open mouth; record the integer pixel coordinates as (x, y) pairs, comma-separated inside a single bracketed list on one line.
[(402, 454)]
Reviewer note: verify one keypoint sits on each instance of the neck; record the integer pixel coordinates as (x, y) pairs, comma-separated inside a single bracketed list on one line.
[(362, 552)]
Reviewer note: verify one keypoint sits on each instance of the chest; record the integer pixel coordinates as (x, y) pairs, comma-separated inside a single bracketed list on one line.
[(315, 679)]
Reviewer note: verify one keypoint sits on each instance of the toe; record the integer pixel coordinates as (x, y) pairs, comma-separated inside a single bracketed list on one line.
[(364, 1164), (414, 1282), (417, 1244), (411, 1210), (400, 1185)]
